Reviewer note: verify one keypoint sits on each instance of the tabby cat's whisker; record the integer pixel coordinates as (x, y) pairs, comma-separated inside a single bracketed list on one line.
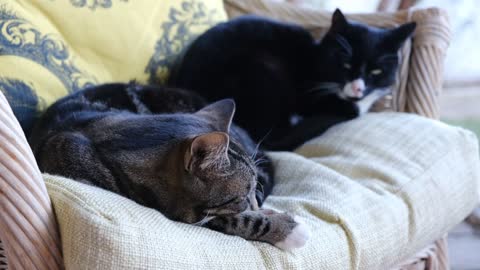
[(260, 191), (254, 155), (260, 161), (257, 147), (204, 220)]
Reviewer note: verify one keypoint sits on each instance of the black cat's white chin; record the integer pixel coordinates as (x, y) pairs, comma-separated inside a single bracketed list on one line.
[(355, 89)]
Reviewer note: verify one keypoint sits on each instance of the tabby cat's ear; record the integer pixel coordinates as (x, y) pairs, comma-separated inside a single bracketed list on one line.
[(397, 36), (220, 114), (207, 149), (339, 22)]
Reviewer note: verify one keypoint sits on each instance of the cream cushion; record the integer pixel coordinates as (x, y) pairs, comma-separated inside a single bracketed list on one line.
[(373, 191)]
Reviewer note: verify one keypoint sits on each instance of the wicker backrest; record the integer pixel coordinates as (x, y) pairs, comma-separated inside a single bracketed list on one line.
[(27, 223)]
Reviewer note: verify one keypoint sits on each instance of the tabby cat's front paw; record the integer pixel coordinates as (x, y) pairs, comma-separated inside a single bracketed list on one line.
[(297, 237)]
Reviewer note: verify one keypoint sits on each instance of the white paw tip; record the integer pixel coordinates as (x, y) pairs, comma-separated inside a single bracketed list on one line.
[(297, 238)]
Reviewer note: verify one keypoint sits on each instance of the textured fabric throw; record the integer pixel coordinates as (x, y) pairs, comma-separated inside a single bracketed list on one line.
[(373, 192)]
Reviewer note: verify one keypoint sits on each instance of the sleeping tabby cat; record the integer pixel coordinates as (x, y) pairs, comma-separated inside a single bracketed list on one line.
[(279, 76), (165, 149)]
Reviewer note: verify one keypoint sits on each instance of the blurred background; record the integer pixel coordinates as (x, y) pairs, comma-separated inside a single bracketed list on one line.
[(460, 100)]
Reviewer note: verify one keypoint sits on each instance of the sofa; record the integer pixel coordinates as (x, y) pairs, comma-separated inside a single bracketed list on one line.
[(36, 234)]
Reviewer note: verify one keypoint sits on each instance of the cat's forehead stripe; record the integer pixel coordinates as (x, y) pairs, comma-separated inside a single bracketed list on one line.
[(234, 154), (344, 43)]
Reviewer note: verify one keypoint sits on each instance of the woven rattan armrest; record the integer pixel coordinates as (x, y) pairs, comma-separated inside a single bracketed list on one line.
[(28, 227)]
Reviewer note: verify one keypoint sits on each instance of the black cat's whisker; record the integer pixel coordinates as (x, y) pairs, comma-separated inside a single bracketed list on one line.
[(319, 90), (323, 89), (327, 84)]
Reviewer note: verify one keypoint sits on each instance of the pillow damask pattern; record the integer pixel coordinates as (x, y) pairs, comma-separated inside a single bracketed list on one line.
[(20, 38), (51, 48), (178, 33), (94, 4)]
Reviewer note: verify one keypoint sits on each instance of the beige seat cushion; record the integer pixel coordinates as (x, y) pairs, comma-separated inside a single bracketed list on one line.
[(373, 192)]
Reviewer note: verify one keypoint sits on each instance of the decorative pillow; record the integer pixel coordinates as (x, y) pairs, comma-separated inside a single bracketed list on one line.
[(373, 191), (50, 48)]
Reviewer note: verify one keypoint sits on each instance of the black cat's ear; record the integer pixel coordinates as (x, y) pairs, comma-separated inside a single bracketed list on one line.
[(397, 36), (339, 22), (220, 114), (206, 150)]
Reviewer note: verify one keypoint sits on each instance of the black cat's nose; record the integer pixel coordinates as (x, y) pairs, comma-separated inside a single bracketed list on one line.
[(358, 86)]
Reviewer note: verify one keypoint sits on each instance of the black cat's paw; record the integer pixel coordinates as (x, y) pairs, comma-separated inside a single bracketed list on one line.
[(352, 111)]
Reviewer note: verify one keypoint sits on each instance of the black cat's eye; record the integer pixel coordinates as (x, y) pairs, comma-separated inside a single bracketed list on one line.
[(376, 72), (347, 66)]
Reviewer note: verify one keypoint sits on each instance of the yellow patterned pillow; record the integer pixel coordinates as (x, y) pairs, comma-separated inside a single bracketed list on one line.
[(50, 48)]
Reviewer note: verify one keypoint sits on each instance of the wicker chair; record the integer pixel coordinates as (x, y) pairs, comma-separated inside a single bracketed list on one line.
[(28, 227)]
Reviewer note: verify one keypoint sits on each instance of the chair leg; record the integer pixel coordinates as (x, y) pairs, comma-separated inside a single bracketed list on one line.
[(3, 258), (474, 218), (433, 257)]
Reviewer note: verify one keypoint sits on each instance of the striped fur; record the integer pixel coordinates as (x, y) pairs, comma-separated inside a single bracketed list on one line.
[(164, 149)]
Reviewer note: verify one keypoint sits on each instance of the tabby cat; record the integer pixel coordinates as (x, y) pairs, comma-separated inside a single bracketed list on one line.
[(280, 76), (165, 149)]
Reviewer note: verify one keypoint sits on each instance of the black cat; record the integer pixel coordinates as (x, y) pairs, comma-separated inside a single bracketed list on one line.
[(287, 86)]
